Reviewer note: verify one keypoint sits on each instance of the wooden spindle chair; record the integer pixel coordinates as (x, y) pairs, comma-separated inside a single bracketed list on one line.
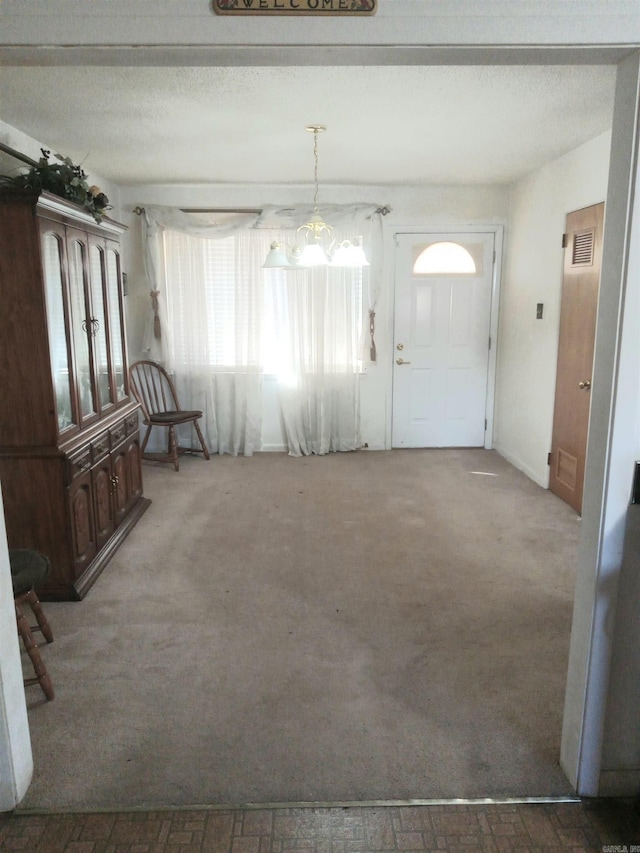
[(156, 393)]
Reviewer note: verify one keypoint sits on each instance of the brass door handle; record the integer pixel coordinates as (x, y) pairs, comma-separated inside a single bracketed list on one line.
[(585, 385), (402, 361)]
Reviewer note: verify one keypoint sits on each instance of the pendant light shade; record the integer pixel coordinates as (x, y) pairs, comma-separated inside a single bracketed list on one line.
[(313, 255), (348, 254), (276, 257)]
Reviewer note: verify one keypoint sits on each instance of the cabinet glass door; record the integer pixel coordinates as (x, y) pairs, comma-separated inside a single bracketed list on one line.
[(100, 342), (52, 261), (115, 316), (82, 328)]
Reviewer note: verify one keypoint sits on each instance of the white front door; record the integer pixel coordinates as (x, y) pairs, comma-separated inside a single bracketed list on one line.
[(441, 339)]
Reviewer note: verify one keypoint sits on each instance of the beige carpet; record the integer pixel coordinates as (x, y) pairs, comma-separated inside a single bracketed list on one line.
[(376, 625)]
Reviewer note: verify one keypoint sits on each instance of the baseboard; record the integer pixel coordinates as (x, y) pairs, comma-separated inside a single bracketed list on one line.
[(619, 783), (521, 466), (281, 448)]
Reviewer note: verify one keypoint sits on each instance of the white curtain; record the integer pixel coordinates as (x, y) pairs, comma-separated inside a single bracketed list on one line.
[(318, 319), (216, 346), (310, 328)]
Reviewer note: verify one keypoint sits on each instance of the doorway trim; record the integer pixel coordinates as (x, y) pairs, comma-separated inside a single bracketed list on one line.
[(390, 248)]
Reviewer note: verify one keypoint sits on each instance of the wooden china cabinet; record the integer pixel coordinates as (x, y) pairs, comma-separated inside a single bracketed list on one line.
[(70, 464)]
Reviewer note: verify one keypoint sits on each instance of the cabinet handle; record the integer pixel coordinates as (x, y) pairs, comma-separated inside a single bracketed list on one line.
[(95, 325), (114, 480), (84, 465)]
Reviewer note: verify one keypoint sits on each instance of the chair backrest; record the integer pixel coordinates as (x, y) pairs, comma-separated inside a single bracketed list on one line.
[(152, 388)]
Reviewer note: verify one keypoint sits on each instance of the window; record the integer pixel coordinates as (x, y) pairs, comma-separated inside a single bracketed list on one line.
[(444, 258), (228, 313)]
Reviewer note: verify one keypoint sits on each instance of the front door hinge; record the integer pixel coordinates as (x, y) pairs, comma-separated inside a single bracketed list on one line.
[(549, 458), (489, 341), (485, 424), (564, 241)]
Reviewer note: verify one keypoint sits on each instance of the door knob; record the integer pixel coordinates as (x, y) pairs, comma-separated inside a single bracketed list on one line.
[(585, 385), (402, 361)]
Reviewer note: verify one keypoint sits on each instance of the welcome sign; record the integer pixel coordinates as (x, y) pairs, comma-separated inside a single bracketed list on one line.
[(295, 7)]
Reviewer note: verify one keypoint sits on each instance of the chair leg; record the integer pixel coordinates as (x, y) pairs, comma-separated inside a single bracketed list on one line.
[(145, 440), (173, 447), (43, 625), (205, 449), (42, 676)]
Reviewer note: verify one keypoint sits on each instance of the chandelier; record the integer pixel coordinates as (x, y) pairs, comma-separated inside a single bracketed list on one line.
[(316, 245)]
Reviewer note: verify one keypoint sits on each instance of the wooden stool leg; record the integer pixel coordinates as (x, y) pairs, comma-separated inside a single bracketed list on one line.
[(43, 625), (42, 676)]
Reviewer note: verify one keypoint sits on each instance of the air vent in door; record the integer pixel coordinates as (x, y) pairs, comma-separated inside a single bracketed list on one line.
[(583, 248)]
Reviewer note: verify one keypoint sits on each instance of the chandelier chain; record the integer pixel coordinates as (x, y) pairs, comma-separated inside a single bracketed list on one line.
[(315, 157)]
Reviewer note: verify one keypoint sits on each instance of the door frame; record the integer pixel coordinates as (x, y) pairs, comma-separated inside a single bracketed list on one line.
[(389, 275)]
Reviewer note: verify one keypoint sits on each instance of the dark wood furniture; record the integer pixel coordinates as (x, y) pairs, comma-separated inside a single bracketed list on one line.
[(69, 435), (155, 392)]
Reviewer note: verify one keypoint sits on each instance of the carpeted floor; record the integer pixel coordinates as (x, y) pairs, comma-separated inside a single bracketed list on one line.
[(355, 627)]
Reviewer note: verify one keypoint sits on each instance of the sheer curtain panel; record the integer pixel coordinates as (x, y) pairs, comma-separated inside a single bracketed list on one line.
[(317, 317), (214, 311)]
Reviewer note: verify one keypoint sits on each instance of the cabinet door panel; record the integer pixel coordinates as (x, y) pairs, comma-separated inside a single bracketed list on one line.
[(120, 482), (82, 523), (57, 326), (102, 501), (116, 324), (134, 465), (82, 324), (102, 355)]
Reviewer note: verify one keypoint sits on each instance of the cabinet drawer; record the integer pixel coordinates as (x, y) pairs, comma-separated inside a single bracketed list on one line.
[(80, 463), (132, 423), (118, 433), (100, 446)]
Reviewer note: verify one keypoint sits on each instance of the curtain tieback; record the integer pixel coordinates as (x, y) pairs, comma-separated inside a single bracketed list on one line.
[(157, 330), (372, 331)]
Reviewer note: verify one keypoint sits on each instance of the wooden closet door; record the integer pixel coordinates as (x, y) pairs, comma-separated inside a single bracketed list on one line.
[(580, 286)]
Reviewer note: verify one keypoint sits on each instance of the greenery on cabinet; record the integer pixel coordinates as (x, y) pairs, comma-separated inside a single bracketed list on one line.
[(62, 178)]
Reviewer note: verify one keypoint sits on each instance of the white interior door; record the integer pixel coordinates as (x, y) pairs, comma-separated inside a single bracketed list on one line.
[(441, 339)]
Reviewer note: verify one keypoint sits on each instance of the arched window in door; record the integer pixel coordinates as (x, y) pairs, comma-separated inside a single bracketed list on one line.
[(445, 258)]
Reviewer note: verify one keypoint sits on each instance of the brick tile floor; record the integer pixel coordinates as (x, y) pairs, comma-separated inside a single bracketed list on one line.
[(596, 826)]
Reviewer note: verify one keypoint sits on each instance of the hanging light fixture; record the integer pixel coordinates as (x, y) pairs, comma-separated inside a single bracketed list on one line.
[(314, 235)]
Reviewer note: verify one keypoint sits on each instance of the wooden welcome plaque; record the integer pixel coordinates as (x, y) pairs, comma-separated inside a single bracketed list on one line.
[(295, 7)]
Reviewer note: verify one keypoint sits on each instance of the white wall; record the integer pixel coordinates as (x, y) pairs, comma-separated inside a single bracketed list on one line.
[(621, 751), (527, 347), (594, 714), (16, 762), (410, 206)]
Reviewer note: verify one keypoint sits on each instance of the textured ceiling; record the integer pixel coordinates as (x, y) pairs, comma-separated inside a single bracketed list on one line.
[(386, 125)]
